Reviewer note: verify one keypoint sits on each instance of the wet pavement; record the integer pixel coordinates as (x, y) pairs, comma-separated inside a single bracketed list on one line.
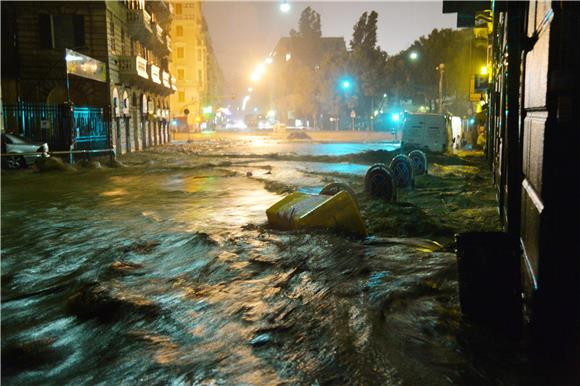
[(165, 272)]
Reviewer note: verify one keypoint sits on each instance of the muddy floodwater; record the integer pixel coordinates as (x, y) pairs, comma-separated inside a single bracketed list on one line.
[(165, 272)]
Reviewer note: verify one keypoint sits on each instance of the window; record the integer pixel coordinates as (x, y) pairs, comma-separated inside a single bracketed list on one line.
[(61, 31), (180, 52), (181, 96), (178, 9), (199, 76), (199, 55), (180, 74), (179, 30)]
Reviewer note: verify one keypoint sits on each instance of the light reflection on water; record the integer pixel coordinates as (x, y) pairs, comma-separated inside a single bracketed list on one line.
[(198, 296)]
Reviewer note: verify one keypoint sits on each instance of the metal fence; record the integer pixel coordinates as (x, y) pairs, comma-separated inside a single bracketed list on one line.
[(59, 125)]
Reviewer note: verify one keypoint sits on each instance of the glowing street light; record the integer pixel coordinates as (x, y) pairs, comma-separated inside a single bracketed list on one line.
[(285, 7), (268, 60), (260, 69), (255, 77), (413, 55), (483, 70), (345, 84)]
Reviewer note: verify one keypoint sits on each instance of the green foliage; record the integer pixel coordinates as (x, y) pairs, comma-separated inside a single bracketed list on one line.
[(368, 62), (308, 25), (418, 79)]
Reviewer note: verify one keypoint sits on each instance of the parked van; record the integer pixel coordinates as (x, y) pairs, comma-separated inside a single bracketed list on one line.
[(426, 131)]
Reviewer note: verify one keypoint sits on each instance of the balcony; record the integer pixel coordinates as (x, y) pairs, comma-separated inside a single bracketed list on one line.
[(133, 69), (140, 24), (154, 72), (163, 10), (168, 43), (166, 80), (158, 39), (157, 32)]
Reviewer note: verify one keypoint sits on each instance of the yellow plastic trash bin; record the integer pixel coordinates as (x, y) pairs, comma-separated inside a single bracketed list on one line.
[(301, 210)]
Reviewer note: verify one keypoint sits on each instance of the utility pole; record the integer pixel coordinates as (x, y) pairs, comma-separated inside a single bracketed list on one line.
[(441, 69)]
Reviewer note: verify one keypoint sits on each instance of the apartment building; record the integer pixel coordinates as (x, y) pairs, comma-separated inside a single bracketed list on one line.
[(127, 103), (194, 65)]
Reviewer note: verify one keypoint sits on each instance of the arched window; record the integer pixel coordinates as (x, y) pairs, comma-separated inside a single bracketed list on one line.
[(144, 104), (125, 103), (116, 108)]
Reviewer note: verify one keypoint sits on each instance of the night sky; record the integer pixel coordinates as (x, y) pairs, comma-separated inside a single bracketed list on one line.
[(244, 33)]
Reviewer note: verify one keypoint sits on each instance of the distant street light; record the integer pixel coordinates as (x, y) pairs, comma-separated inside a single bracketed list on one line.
[(269, 60), (413, 55), (345, 85), (285, 7)]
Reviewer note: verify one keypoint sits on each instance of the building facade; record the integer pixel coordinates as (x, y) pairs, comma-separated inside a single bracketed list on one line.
[(533, 139), (189, 64), (132, 38)]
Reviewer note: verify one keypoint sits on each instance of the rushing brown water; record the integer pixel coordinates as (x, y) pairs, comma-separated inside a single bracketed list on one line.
[(164, 273)]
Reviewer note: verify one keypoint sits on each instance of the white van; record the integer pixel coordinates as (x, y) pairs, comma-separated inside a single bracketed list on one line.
[(426, 131)]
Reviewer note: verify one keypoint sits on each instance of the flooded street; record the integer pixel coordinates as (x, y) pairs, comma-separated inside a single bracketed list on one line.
[(165, 272)]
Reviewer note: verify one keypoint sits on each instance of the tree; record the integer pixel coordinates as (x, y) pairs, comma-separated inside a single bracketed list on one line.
[(303, 92), (418, 80), (308, 25), (368, 62)]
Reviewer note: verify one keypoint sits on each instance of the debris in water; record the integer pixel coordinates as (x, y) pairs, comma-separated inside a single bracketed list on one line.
[(261, 340)]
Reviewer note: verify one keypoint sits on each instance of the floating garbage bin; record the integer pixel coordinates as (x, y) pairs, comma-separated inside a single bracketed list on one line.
[(335, 187), (489, 278), (300, 210)]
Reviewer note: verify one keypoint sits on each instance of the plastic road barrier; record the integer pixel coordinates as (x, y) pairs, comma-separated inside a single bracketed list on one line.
[(300, 210), (379, 182), (419, 162)]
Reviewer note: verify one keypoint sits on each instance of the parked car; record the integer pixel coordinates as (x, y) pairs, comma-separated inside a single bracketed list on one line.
[(19, 152)]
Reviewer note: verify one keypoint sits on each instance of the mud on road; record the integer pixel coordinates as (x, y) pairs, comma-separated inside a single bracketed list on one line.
[(165, 271)]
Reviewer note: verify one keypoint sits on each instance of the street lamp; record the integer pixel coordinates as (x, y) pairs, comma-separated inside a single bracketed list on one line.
[(441, 69), (413, 55), (285, 7)]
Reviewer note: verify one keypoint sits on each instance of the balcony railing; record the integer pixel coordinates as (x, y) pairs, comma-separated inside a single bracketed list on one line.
[(154, 70), (158, 31), (168, 43), (139, 23), (133, 67), (166, 79)]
